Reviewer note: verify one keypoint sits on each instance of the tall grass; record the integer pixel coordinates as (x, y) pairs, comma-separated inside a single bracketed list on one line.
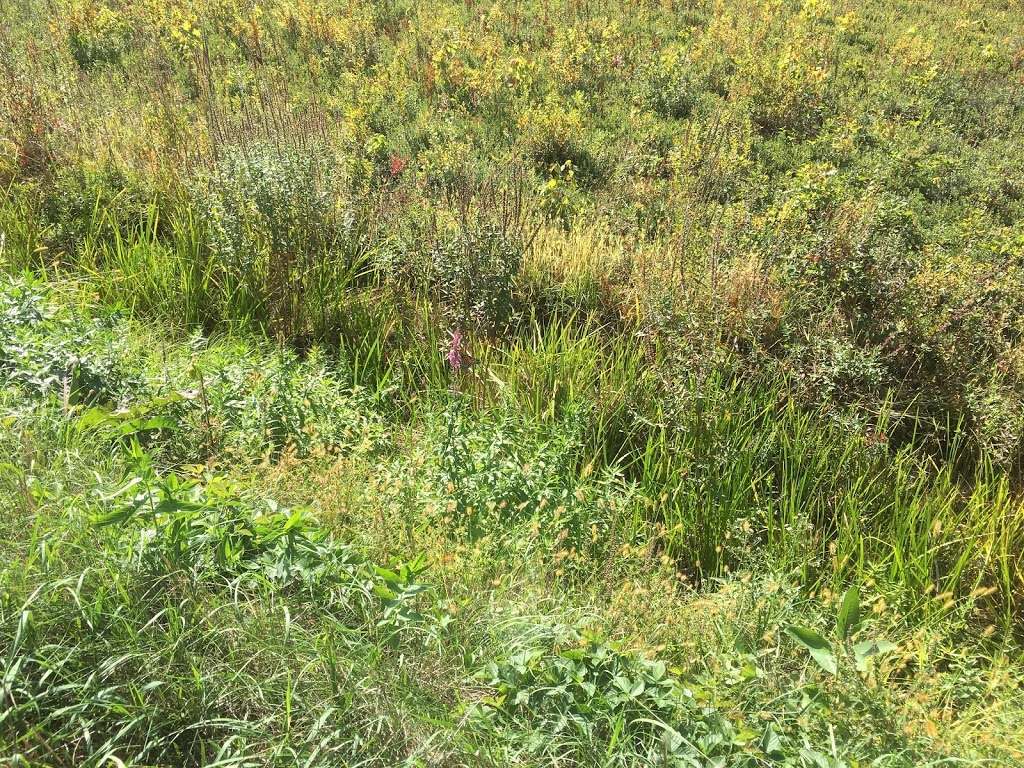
[(154, 616), (649, 292), (731, 472)]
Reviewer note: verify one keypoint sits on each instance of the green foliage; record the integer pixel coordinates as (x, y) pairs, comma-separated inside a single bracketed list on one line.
[(168, 614), (669, 85), (263, 203), (97, 33), (819, 648), (72, 358), (82, 206), (192, 569), (554, 134), (823, 652), (561, 198), (269, 215), (592, 701), (504, 477), (765, 343), (208, 530), (283, 404), (473, 274)]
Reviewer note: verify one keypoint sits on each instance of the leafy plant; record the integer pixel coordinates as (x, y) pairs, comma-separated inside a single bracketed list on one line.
[(63, 354), (271, 215), (669, 85), (97, 33), (828, 655), (601, 700), (473, 273)]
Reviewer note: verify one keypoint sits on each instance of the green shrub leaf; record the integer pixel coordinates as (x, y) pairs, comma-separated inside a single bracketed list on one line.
[(819, 648)]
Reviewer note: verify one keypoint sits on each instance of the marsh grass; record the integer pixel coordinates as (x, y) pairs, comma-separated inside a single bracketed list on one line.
[(618, 314), (163, 612)]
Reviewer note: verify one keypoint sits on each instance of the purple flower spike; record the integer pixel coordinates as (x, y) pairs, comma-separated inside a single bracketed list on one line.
[(455, 354)]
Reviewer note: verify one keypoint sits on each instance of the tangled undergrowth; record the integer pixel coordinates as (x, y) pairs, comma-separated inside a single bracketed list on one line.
[(534, 383), (442, 591)]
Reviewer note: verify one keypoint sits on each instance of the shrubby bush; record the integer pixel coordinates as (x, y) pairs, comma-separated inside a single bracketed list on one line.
[(97, 33), (668, 83), (785, 90), (585, 691), (473, 273), (74, 359), (648, 155), (713, 161), (283, 405), (554, 133), (264, 204), (79, 204), (587, 57), (279, 232), (561, 198)]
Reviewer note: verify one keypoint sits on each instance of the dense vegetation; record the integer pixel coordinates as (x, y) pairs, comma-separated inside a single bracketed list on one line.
[(535, 383)]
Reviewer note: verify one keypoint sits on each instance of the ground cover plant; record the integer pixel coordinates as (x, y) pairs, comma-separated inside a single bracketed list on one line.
[(537, 383)]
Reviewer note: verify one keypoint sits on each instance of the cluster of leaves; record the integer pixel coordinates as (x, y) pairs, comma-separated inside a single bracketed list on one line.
[(97, 33), (670, 85), (554, 136), (207, 529), (220, 401), (505, 479), (282, 404), (270, 215), (80, 206), (473, 274), (585, 700), (263, 203), (848, 620), (54, 352)]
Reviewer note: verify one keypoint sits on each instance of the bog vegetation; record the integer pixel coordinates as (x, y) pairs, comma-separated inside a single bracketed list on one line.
[(525, 383)]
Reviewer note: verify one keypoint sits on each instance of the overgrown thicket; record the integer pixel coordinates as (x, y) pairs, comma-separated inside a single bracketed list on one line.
[(220, 554), (721, 298), (824, 192)]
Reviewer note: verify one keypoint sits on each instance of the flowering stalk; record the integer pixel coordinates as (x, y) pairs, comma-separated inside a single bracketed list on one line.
[(455, 353)]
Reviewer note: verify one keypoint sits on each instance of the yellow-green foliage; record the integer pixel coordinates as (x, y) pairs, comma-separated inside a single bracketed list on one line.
[(876, 144), (681, 315)]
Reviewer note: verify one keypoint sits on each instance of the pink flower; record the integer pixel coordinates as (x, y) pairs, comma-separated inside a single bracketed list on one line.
[(456, 352)]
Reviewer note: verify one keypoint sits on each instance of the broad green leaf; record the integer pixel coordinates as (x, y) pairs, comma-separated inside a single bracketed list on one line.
[(295, 519), (819, 648), (657, 670), (95, 416), (744, 736), (771, 744), (383, 592), (135, 426), (623, 683), (814, 759), (387, 574), (849, 614)]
